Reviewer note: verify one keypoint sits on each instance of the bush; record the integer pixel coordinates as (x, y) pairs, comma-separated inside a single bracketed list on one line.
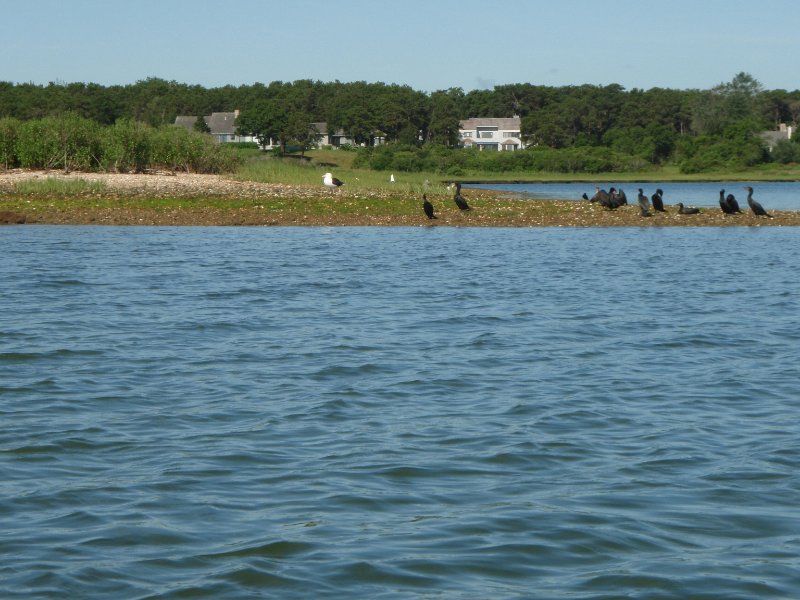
[(67, 142), (398, 157), (8, 142), (733, 151), (786, 152), (127, 146)]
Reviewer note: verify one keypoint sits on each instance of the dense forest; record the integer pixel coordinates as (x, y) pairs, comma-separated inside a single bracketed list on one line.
[(583, 127)]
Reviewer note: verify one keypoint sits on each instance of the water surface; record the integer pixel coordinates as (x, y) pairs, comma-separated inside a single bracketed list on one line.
[(399, 412)]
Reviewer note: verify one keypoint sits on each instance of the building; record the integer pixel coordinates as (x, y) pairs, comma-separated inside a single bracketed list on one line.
[(221, 125), (492, 133), (338, 138), (784, 132)]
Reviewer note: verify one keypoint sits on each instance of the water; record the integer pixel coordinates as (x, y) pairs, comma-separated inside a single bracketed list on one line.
[(399, 413), (775, 195)]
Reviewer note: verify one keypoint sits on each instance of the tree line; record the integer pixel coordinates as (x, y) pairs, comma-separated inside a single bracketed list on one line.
[(698, 129)]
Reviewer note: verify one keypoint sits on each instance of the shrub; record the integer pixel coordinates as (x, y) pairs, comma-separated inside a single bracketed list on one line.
[(127, 146), (8, 142), (66, 142)]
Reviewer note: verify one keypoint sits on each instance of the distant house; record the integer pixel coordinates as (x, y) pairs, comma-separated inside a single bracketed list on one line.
[(784, 132), (492, 133), (221, 125), (338, 137), (334, 139)]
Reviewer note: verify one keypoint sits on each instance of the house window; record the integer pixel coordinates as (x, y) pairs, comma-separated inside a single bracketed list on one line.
[(466, 134), (511, 134), (486, 134)]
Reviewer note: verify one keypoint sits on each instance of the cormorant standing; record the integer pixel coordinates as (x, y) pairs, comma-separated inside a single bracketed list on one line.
[(730, 200), (723, 203), (658, 201), (427, 207), (459, 199), (619, 197), (756, 207), (585, 197), (687, 210), (644, 203)]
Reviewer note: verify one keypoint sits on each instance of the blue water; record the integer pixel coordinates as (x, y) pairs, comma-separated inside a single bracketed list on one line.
[(399, 413), (776, 195)]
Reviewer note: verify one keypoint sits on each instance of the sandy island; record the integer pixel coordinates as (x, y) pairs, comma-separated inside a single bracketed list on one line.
[(221, 200)]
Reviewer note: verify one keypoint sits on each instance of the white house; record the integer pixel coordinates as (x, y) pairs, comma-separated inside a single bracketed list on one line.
[(492, 133)]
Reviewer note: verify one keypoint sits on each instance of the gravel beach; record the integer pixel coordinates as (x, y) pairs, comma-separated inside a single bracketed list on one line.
[(222, 200)]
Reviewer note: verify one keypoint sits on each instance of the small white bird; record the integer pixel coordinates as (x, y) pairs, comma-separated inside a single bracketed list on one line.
[(391, 178), (331, 182)]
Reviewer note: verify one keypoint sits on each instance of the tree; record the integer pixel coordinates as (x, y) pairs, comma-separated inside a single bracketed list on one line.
[(444, 122), (201, 126), (725, 104)]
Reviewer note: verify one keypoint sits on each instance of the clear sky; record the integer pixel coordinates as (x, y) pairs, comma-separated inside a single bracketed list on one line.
[(426, 44)]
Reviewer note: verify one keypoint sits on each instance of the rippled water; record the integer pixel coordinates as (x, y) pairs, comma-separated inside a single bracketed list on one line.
[(401, 412), (775, 195)]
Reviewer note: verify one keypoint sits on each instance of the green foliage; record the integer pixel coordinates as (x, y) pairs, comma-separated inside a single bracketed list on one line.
[(736, 149), (441, 160), (127, 146), (785, 152), (52, 187), (200, 125), (71, 142), (8, 142), (66, 142), (642, 125)]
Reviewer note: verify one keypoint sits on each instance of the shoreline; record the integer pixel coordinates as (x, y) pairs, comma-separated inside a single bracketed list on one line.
[(181, 199)]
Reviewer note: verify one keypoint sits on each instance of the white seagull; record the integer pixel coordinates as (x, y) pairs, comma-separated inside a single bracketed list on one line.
[(331, 182)]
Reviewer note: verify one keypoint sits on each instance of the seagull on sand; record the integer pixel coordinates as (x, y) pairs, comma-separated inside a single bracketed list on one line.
[(331, 182)]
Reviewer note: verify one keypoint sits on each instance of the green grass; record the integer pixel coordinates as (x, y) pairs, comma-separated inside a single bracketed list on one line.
[(265, 168), (292, 171), (61, 188)]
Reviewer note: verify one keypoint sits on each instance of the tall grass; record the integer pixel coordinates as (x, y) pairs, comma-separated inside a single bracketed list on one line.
[(61, 188)]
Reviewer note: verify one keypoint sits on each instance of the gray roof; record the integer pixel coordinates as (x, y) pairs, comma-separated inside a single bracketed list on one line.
[(505, 123), (186, 121), (222, 123)]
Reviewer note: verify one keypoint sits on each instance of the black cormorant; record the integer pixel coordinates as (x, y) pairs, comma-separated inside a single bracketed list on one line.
[(723, 204), (459, 199), (658, 201), (756, 207), (427, 207)]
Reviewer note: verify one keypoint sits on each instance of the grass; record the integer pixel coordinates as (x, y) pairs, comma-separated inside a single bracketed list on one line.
[(270, 169), (58, 188), (292, 171)]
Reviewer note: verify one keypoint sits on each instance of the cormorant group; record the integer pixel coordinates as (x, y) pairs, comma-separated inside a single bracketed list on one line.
[(611, 200)]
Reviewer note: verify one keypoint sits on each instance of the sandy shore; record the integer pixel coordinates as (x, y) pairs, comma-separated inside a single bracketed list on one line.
[(233, 202)]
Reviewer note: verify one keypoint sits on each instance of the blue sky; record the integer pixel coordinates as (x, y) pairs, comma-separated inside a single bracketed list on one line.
[(426, 44)]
